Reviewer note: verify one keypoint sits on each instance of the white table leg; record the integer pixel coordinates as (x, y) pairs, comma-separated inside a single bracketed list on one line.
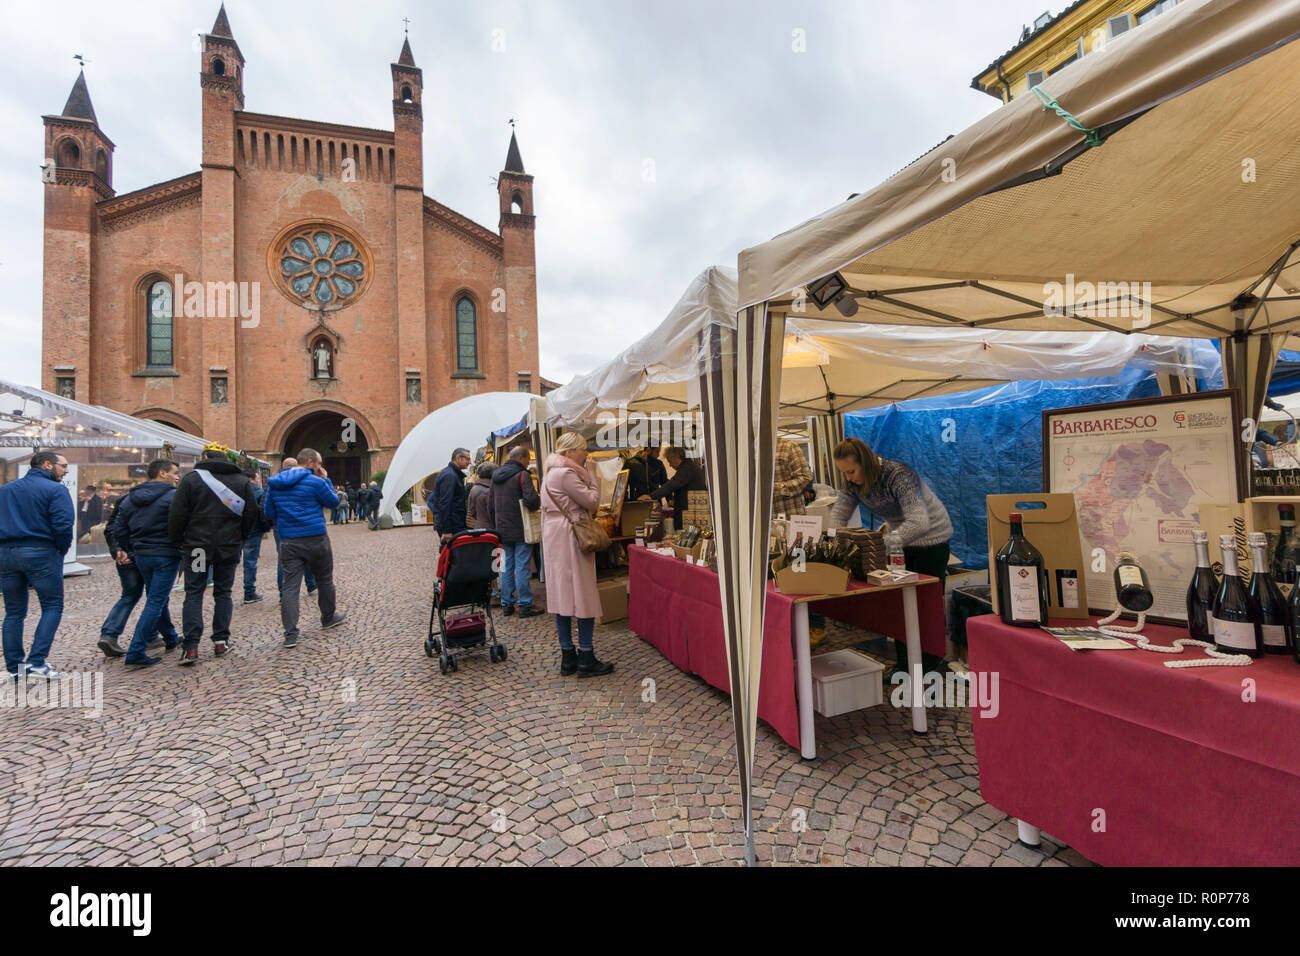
[(912, 622), (1029, 836), (803, 673)]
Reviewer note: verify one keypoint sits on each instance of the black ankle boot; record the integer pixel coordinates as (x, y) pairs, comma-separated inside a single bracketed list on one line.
[(568, 662), (588, 666)]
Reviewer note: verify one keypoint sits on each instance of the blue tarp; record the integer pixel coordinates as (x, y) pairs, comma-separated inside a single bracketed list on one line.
[(510, 430), (1286, 374), (983, 442)]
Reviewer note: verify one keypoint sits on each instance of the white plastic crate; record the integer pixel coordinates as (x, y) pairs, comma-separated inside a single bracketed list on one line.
[(844, 681)]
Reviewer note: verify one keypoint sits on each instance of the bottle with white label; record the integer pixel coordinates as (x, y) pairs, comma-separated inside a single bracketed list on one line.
[(1021, 579), (1131, 584), (1267, 604), (1235, 632)]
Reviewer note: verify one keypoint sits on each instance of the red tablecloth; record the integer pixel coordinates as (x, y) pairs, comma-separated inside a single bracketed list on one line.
[(677, 607), (1186, 767)]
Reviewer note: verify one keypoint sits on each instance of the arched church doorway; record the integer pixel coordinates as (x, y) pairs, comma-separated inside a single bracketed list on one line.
[(341, 443)]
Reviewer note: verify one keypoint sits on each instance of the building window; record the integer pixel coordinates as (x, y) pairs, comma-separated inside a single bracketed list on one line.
[(1155, 10), (69, 154), (219, 390), (320, 264), (159, 353), (413, 390), (466, 337), (65, 386), (525, 384)]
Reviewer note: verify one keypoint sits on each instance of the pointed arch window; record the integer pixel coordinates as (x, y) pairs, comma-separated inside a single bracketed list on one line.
[(466, 336), (159, 325)]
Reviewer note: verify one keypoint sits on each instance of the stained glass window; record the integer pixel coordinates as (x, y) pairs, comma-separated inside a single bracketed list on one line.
[(466, 337), (321, 266), (160, 325)]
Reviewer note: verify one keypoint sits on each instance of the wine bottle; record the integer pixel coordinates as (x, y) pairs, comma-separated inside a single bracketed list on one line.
[(1021, 579), (1234, 629), (1200, 593), (1287, 555), (1267, 605), (1131, 584)]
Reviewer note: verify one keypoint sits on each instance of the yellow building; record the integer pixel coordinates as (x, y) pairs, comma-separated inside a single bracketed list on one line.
[(1054, 42)]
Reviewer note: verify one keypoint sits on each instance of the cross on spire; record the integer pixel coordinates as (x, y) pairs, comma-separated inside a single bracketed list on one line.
[(406, 25)]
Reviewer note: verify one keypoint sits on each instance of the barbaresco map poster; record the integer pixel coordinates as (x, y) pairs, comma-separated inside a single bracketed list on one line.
[(1136, 470)]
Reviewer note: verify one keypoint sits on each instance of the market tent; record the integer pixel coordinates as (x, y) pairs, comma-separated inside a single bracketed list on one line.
[(428, 446), (1161, 176), (832, 367)]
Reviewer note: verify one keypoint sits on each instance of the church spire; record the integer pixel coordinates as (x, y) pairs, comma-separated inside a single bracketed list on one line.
[(514, 162), (78, 105), (221, 27), (405, 58)]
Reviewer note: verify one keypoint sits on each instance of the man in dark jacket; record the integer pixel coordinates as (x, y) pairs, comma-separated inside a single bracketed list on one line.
[(36, 522), (689, 476), (638, 480), (450, 497), (141, 536), (128, 576), (211, 515), (512, 484), (90, 510), (294, 500), (655, 472)]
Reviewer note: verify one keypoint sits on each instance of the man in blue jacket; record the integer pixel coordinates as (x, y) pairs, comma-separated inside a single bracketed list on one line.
[(36, 522), (293, 501), (141, 535), (450, 497)]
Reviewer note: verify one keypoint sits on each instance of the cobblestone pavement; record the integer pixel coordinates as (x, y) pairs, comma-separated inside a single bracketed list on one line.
[(353, 749)]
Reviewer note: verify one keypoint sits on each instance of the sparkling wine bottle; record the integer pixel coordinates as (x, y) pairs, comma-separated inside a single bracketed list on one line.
[(1021, 579), (1200, 593), (1286, 557), (1234, 629), (1131, 584), (1267, 605)]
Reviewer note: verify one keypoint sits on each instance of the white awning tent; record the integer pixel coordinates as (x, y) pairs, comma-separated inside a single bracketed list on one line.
[(428, 446), (1158, 171), (832, 367)]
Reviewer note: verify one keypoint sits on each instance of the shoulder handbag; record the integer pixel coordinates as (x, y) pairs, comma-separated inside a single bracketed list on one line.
[(591, 536), (532, 520)]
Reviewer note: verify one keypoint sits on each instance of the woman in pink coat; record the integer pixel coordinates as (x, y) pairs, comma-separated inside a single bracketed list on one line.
[(569, 494)]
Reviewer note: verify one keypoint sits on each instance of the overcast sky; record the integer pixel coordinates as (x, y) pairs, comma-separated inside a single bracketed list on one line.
[(664, 137)]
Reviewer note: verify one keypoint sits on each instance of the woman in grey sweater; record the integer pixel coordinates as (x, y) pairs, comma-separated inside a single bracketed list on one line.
[(898, 496)]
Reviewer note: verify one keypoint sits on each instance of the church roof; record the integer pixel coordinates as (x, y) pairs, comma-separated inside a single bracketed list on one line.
[(514, 162), (78, 105), (221, 27), (405, 58)]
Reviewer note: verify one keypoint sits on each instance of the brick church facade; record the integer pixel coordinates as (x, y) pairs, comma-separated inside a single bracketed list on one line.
[(298, 289)]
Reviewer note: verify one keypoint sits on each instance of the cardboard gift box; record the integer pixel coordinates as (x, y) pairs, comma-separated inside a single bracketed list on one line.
[(1051, 524), (815, 578), (1240, 519), (634, 513), (613, 599)]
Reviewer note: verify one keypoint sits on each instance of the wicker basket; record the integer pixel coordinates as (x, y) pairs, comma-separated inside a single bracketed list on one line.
[(872, 555)]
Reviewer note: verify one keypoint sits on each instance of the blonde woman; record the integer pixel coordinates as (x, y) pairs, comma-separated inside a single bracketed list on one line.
[(569, 494)]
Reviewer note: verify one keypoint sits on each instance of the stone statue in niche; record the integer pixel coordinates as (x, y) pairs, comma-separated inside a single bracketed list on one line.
[(324, 361)]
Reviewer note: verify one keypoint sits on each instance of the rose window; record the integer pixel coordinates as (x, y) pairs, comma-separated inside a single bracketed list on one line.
[(321, 265)]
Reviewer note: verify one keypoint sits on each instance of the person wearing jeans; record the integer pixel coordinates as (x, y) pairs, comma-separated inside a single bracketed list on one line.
[(253, 545), (512, 486), (141, 538), (132, 585), (211, 516), (294, 500), (36, 522)]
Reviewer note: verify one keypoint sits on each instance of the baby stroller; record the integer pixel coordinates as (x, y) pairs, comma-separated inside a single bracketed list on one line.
[(464, 583)]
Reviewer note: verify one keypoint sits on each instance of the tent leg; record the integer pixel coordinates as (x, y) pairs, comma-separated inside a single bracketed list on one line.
[(749, 843), (912, 622), (803, 670)]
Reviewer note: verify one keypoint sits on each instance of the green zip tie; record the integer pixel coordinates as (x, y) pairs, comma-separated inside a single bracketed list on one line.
[(1091, 136)]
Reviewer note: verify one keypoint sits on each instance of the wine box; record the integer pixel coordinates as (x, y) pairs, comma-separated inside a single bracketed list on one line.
[(1051, 523), (684, 553), (634, 513), (1239, 520), (815, 578)]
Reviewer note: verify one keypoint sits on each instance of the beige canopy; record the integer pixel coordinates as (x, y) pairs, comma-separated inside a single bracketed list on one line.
[(1168, 159)]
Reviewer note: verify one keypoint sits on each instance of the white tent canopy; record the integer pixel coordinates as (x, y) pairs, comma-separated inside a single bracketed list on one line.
[(428, 446), (831, 367)]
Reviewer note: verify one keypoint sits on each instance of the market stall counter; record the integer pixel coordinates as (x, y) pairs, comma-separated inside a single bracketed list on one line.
[(1133, 763), (676, 607)]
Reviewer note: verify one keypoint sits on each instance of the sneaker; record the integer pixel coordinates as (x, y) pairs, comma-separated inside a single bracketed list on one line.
[(507, 610), (291, 640), (143, 662), (220, 648), (189, 657), (253, 598), (110, 647), (42, 670), (335, 621), (527, 610)]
